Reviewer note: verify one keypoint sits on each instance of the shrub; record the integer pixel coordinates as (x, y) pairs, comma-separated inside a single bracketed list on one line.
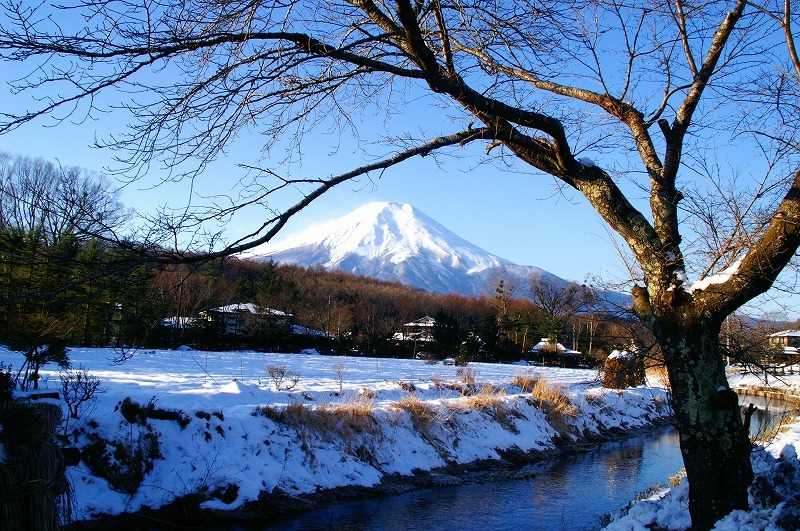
[(279, 373), (338, 370), (623, 370), (123, 464), (78, 387)]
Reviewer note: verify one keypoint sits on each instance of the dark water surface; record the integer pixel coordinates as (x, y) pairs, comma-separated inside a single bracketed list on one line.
[(570, 492)]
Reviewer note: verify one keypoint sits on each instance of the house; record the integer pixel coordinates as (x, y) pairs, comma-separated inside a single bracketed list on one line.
[(545, 346), (788, 339), (419, 330), (243, 318)]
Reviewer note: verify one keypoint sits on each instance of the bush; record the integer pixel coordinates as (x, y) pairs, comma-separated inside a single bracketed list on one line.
[(279, 373), (124, 464), (623, 370), (78, 387)]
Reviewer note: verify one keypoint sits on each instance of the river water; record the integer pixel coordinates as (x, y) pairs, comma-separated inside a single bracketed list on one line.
[(572, 492)]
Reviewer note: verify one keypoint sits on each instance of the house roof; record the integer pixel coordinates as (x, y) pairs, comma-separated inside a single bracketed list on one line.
[(546, 342), (247, 307), (786, 333), (426, 321)]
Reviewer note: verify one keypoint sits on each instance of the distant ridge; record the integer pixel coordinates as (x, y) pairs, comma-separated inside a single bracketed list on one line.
[(397, 242)]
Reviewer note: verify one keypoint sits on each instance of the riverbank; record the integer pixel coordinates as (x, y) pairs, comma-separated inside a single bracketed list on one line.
[(775, 493), (412, 495), (212, 431)]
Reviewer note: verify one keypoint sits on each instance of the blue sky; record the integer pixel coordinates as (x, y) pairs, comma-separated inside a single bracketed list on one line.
[(521, 217)]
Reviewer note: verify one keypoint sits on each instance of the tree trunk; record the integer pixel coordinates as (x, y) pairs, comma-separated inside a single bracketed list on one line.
[(713, 440)]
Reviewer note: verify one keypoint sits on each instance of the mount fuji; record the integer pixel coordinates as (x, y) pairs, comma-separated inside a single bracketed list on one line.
[(397, 242)]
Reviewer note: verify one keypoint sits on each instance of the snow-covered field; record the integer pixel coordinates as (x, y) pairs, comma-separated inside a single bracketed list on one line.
[(391, 417), (230, 435)]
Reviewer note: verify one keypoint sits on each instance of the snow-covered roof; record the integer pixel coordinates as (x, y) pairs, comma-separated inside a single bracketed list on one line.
[(306, 331), (786, 333), (426, 321), (545, 342), (247, 307), (619, 354)]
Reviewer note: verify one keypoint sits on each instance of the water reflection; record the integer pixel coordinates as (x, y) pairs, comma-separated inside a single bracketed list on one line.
[(766, 413), (572, 492)]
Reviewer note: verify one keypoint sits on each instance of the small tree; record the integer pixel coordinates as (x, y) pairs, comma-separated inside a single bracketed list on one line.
[(279, 373), (338, 369), (41, 339), (78, 387), (6, 383)]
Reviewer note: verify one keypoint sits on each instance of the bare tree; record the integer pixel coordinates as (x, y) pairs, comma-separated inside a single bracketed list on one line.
[(559, 302), (654, 92), (339, 367), (35, 195)]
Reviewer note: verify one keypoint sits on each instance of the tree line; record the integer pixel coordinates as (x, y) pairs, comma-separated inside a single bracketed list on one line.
[(64, 281)]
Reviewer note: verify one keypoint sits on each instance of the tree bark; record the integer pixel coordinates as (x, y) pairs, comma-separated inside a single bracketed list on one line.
[(714, 443)]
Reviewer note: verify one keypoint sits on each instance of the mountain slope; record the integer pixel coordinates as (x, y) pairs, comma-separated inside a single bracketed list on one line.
[(397, 242)]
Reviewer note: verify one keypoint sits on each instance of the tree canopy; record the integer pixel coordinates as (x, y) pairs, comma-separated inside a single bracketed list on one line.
[(694, 103)]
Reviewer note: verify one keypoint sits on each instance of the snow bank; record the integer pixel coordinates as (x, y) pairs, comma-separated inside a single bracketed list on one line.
[(172, 423), (773, 499)]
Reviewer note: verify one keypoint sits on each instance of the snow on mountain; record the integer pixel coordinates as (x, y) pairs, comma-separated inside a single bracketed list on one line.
[(397, 242)]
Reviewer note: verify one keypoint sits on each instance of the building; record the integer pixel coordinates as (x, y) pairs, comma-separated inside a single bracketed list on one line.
[(243, 318), (788, 339), (419, 330), (545, 346)]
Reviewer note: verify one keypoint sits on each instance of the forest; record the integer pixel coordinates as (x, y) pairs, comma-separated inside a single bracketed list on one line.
[(64, 282)]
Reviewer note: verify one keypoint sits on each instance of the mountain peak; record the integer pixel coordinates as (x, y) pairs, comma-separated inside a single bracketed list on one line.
[(395, 241)]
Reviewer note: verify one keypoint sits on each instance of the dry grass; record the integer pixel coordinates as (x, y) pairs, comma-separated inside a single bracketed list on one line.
[(765, 435), (675, 480), (466, 384), (557, 406), (490, 399), (422, 413), (344, 419), (525, 381), (657, 375)]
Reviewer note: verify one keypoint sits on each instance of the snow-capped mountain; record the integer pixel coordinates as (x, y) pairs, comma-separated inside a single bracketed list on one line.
[(397, 242)]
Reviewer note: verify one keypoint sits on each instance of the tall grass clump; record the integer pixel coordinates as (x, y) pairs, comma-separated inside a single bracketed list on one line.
[(34, 490), (558, 409), (423, 414), (344, 420), (525, 381), (491, 400)]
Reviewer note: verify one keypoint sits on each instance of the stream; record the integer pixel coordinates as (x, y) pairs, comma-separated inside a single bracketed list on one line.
[(572, 492)]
